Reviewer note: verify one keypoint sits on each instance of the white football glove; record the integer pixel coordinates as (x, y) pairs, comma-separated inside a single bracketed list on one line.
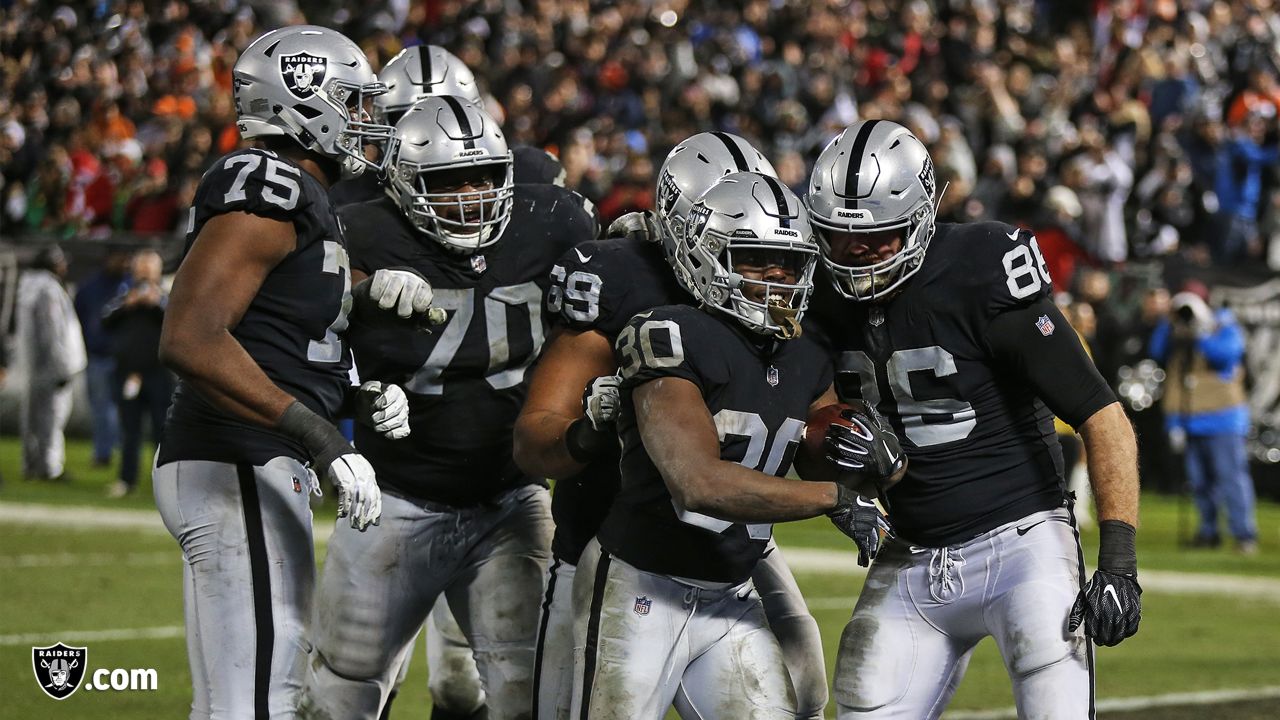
[(600, 401), (358, 493), (641, 225), (384, 408), (406, 291)]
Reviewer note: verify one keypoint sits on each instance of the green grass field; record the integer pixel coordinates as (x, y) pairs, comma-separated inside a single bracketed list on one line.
[(62, 582)]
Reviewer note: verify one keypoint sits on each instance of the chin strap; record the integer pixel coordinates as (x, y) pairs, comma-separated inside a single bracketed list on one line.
[(784, 316)]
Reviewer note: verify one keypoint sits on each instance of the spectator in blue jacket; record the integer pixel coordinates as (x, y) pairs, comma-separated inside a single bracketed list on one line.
[(1207, 416), (1241, 162)]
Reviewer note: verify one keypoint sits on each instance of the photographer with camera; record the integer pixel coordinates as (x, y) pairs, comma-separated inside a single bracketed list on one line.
[(142, 385), (1202, 351)]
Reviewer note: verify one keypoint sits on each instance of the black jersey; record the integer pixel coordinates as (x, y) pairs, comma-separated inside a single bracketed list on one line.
[(981, 445), (599, 286), (364, 187), (466, 379), (758, 391), (292, 327)]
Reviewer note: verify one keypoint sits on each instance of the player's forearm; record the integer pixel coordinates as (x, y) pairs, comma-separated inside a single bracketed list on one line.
[(539, 445), (1111, 451), (218, 368), (729, 491)]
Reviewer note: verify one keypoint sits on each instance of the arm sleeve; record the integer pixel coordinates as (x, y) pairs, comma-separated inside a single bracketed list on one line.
[(1225, 346), (1037, 343)]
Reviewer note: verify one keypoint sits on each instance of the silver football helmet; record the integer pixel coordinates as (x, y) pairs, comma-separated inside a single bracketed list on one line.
[(419, 72), (874, 176), (314, 85), (690, 169), (750, 220), (442, 134)]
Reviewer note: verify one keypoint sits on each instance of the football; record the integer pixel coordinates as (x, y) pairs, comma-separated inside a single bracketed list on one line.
[(815, 433), (815, 430)]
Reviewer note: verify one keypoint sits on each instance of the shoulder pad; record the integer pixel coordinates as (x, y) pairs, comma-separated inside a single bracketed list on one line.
[(254, 181), (656, 343), (1006, 263)]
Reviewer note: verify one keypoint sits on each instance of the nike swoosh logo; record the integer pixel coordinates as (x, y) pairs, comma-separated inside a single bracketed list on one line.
[(892, 458), (583, 258), (1027, 529), (1110, 590), (861, 501), (917, 551), (353, 63), (1013, 236)]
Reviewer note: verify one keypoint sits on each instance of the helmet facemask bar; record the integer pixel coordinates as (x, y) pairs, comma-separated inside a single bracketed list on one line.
[(879, 280), (355, 102), (784, 303), (478, 216)]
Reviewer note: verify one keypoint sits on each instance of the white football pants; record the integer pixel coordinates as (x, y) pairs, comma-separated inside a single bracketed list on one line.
[(922, 611)]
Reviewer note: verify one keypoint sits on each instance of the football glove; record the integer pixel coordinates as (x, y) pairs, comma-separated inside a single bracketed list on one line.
[(334, 458), (384, 408), (1110, 604), (600, 401), (1109, 607), (866, 450), (639, 225), (861, 520), (358, 495), (405, 291)]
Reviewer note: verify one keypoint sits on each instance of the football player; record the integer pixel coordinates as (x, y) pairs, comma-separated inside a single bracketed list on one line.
[(566, 430), (713, 405), (460, 519), (951, 332), (414, 73), (254, 330)]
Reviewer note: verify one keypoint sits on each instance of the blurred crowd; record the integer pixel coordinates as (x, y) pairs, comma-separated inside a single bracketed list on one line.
[(1118, 130)]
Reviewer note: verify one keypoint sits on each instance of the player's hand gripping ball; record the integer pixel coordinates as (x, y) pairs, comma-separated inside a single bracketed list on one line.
[(860, 443)]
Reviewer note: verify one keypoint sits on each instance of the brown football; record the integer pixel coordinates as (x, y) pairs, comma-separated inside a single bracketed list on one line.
[(815, 430)]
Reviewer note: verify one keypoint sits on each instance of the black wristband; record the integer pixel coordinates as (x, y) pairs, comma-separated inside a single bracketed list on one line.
[(585, 443), (845, 496), (321, 439), (1118, 551)]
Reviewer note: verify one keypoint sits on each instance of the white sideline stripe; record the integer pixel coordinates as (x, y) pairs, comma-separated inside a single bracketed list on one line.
[(52, 560), (804, 560), (1207, 697), (72, 518), (837, 562), (71, 637)]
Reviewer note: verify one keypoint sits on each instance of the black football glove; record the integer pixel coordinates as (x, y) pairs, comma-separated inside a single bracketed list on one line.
[(867, 451), (1110, 604), (861, 520)]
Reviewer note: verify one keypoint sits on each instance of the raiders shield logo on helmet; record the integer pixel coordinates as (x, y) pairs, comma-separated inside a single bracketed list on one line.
[(303, 73), (698, 218), (59, 669)]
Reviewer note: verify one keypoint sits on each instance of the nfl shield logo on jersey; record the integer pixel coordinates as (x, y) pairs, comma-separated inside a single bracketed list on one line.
[(59, 669), (1045, 325), (303, 73), (642, 605)]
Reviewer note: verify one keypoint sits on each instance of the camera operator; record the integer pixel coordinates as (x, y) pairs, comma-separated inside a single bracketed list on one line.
[(143, 386), (1207, 417)]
